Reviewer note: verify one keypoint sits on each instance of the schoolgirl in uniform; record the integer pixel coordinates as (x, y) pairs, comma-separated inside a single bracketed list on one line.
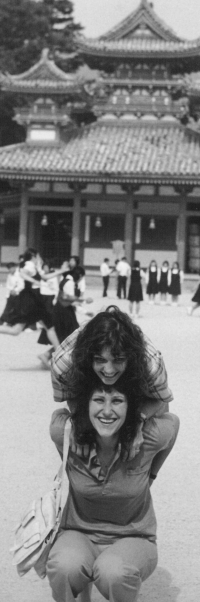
[(176, 279), (64, 313), (48, 291), (135, 294), (163, 285), (152, 281), (29, 307)]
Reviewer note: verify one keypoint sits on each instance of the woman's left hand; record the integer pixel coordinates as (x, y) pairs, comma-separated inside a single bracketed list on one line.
[(138, 440)]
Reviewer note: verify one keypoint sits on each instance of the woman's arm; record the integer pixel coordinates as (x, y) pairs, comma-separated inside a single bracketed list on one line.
[(154, 407), (161, 456), (53, 274), (61, 363), (57, 428)]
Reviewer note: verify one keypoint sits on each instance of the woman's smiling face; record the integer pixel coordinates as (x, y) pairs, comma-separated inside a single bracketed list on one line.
[(107, 412), (108, 367)]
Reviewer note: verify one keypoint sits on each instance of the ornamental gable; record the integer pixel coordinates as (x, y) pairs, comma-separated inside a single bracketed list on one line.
[(142, 23)]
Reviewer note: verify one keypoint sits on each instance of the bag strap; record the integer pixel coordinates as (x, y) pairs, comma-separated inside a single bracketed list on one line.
[(64, 478)]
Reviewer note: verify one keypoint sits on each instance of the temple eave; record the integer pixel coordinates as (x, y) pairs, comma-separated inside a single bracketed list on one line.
[(141, 53), (162, 179)]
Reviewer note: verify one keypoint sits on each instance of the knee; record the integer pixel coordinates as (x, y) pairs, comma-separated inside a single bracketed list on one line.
[(111, 572), (62, 564)]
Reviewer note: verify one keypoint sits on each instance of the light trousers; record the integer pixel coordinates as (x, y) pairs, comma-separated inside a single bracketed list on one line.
[(116, 569)]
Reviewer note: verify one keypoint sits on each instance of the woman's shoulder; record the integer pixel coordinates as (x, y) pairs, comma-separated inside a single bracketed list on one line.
[(161, 430)]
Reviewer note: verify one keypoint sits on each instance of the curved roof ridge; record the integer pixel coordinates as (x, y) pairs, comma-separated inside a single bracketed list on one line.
[(143, 14), (44, 68)]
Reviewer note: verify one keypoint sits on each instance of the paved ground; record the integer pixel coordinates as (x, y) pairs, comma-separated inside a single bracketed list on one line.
[(29, 461)]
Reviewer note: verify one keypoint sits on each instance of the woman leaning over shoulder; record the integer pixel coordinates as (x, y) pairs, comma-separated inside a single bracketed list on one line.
[(108, 528), (111, 345)]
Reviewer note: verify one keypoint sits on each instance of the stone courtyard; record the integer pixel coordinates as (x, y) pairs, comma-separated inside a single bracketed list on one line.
[(29, 460)]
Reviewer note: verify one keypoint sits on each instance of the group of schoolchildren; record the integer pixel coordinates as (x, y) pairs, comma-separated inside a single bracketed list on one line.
[(164, 281), (37, 293)]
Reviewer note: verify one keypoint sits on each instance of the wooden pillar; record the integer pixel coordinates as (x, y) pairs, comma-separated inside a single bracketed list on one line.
[(31, 229), (183, 190), (181, 239), (128, 235), (75, 244), (23, 223), (129, 228)]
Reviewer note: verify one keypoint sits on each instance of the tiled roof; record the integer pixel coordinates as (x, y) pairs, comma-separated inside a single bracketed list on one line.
[(137, 152), (139, 47), (143, 16), (140, 34), (44, 76)]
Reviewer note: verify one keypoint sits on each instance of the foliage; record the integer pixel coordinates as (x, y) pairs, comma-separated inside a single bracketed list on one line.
[(26, 27)]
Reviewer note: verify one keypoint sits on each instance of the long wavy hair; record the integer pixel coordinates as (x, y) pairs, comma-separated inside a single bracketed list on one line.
[(111, 329)]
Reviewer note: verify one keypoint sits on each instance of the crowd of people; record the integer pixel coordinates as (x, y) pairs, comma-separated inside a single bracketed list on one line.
[(165, 282), (38, 294)]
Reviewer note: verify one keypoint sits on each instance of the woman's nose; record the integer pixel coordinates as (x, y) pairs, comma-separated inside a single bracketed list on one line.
[(109, 368), (107, 408)]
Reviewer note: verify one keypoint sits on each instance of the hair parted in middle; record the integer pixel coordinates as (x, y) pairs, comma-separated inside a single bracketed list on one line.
[(111, 329)]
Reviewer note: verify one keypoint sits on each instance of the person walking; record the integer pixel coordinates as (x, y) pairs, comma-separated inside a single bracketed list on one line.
[(105, 273), (176, 278), (152, 281), (135, 293), (124, 271), (163, 284)]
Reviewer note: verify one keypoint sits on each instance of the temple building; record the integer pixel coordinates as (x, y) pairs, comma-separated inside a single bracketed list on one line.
[(111, 160)]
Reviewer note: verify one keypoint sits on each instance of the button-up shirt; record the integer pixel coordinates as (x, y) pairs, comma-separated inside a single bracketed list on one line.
[(123, 268), (157, 385), (105, 269), (118, 504)]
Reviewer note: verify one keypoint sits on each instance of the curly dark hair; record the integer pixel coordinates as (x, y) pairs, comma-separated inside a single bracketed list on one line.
[(111, 329)]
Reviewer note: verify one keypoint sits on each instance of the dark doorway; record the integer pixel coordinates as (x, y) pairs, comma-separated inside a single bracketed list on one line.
[(55, 236)]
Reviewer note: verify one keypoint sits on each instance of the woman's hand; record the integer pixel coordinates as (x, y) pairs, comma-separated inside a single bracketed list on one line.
[(138, 440)]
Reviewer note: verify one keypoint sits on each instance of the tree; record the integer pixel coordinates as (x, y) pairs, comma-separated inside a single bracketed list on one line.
[(26, 27)]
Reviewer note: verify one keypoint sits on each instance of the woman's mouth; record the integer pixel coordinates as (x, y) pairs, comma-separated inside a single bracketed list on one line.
[(109, 375), (107, 420)]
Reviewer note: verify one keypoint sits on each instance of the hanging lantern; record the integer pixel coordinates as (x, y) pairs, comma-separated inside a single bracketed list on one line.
[(44, 220), (98, 222), (152, 224)]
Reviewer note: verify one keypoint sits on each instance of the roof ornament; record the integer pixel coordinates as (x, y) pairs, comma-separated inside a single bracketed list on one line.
[(44, 55)]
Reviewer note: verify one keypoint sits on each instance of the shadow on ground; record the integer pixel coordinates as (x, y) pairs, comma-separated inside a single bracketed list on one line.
[(158, 588)]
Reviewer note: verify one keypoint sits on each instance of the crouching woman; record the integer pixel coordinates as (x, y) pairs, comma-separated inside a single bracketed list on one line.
[(108, 529)]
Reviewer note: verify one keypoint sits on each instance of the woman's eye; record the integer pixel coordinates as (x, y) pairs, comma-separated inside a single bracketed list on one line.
[(117, 401)]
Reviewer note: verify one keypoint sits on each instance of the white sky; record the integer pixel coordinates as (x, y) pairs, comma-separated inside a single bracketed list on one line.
[(98, 16)]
